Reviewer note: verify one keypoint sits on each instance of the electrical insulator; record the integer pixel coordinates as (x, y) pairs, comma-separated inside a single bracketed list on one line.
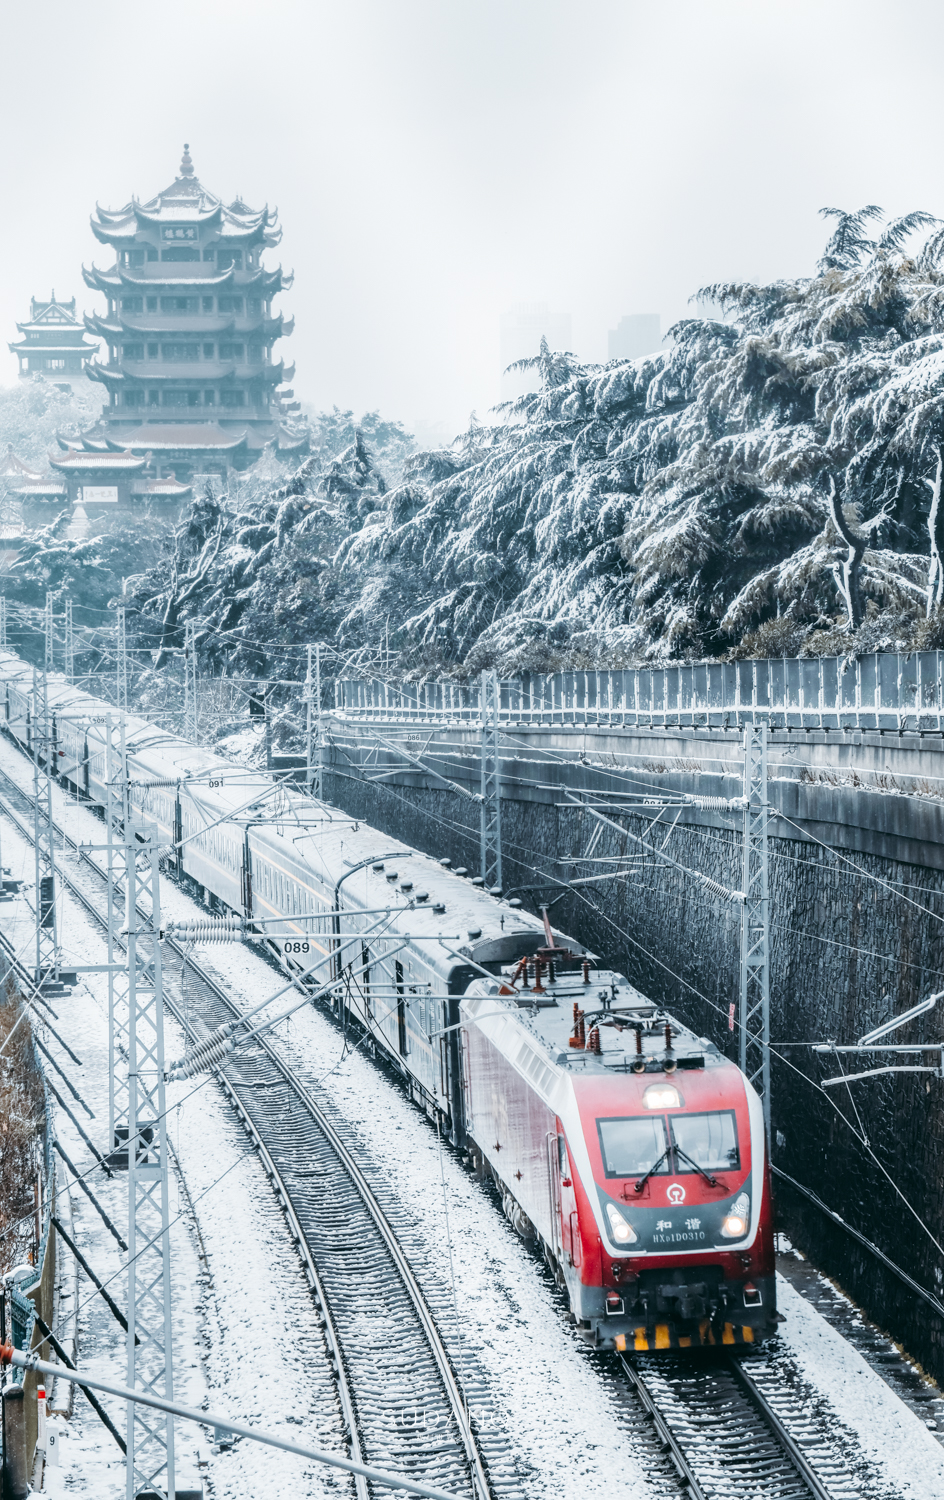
[(207, 930), (205, 1055)]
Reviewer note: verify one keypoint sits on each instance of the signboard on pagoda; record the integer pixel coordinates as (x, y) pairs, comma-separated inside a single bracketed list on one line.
[(99, 494)]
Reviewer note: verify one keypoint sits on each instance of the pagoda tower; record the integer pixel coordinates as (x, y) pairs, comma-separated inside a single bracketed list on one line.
[(189, 329), (53, 344)]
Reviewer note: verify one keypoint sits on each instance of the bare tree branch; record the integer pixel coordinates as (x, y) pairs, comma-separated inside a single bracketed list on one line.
[(849, 580), (936, 534)]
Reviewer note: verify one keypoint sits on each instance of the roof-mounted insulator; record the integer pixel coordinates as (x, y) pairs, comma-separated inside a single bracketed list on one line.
[(579, 1037), (639, 1061)]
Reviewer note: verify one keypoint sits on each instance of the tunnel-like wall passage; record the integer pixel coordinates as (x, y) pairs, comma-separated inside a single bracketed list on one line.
[(856, 936)]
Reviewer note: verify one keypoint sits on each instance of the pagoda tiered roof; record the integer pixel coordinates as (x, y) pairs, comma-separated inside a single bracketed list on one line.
[(190, 328), (161, 489), (156, 437), (51, 330), (187, 201), (14, 468), (265, 329), (84, 460), (267, 283), (219, 372)]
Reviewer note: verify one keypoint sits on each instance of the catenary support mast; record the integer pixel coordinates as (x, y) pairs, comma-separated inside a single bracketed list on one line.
[(138, 1113), (44, 850), (314, 741), (191, 729), (754, 1014), (49, 633), (69, 663), (491, 784), (121, 659)]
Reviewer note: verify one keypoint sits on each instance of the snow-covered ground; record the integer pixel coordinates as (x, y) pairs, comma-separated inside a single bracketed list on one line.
[(246, 1334)]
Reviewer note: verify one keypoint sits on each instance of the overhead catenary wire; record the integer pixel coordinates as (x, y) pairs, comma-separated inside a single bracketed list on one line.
[(705, 999), (555, 880)]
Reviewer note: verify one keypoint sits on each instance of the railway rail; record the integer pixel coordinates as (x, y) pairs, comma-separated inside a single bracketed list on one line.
[(401, 1401), (732, 1427), (736, 1431)]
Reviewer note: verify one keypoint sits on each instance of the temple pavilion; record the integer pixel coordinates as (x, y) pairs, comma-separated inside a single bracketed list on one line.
[(53, 344), (189, 330)]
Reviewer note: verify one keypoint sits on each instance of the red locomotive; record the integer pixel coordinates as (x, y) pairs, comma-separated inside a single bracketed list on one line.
[(632, 1149)]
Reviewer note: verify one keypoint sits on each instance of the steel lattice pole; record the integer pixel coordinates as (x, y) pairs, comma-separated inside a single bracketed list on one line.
[(69, 663), (44, 849), (150, 1456), (754, 1014), (121, 657), (191, 730), (3, 621), (490, 813), (48, 633), (314, 742), (115, 860)]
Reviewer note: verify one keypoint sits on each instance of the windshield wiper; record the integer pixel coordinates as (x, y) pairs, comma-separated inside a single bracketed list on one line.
[(654, 1168), (711, 1181)]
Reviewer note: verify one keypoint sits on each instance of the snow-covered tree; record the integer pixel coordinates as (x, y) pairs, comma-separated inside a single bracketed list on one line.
[(34, 411), (678, 504)]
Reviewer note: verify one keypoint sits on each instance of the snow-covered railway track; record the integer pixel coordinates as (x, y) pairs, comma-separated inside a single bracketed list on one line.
[(737, 1431), (403, 1406)]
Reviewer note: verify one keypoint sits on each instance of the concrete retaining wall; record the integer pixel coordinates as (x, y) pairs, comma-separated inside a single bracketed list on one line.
[(847, 952)]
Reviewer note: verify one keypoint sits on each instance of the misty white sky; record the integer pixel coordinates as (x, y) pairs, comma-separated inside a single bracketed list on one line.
[(435, 162)]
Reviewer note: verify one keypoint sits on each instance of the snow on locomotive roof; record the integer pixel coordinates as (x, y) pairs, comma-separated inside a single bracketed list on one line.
[(629, 1025)]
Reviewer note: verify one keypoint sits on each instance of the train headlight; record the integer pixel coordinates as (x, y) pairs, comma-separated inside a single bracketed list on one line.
[(621, 1230), (736, 1223), (661, 1096)]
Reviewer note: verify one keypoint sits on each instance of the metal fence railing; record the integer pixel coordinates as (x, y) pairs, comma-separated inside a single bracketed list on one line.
[(886, 690)]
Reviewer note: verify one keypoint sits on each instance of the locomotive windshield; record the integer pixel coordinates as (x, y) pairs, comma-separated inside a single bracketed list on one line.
[(639, 1145), (708, 1141), (631, 1146)]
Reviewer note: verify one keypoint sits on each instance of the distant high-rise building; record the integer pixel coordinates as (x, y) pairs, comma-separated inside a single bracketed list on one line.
[(637, 334), (54, 344), (522, 329)]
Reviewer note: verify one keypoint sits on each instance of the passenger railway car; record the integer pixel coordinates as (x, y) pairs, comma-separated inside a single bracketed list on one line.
[(630, 1151)]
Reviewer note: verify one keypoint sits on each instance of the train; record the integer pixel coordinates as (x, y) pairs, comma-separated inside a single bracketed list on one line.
[(627, 1150)]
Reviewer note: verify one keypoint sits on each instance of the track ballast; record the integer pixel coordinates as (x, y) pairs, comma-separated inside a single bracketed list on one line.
[(403, 1406)]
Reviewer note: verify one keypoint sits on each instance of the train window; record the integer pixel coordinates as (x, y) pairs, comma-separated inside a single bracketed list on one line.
[(634, 1146), (707, 1141), (562, 1156)]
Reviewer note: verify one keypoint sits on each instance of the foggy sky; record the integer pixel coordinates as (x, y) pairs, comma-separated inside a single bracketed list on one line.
[(436, 162)]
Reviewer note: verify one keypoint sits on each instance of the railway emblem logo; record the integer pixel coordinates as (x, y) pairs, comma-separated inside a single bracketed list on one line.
[(676, 1193)]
